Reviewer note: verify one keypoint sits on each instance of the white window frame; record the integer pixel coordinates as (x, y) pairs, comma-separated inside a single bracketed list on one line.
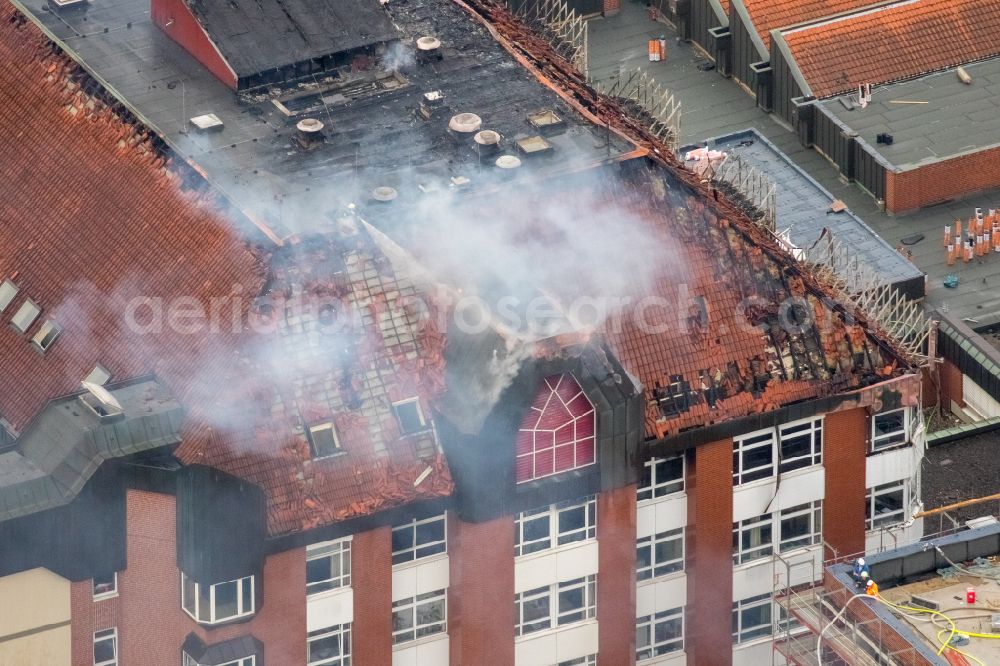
[(753, 552), (656, 568), (29, 311), (589, 660), (557, 615), (46, 335), (660, 485), (8, 292), (745, 634), (113, 592), (420, 415), (551, 516), (812, 428), (319, 428), (341, 630), (339, 550), (889, 440), (414, 605), (104, 635), (418, 551), (813, 511), (761, 439), (649, 647), (245, 607), (886, 519), (242, 661)]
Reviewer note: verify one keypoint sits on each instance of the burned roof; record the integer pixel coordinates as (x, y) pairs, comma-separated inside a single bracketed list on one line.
[(264, 35), (892, 42), (379, 129), (318, 332)]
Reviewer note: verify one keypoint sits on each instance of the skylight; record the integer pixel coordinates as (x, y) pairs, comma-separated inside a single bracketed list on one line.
[(99, 375), (25, 316), (46, 335), (8, 290), (323, 440)]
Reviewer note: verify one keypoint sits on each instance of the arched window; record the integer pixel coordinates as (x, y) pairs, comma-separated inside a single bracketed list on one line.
[(557, 433)]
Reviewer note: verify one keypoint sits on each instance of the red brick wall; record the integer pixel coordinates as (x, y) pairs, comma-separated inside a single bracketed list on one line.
[(951, 385), (612, 7), (481, 591), (845, 443), (616, 576), (707, 625), (371, 572), (943, 180), (186, 31), (151, 624)]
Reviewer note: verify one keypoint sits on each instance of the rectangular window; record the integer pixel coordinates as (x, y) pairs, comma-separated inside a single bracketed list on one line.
[(659, 634), (885, 505), (555, 525), (889, 429), (106, 647), (410, 416), (752, 539), (211, 604), (801, 444), (419, 616), (660, 477), (99, 375), (753, 457), (674, 398), (660, 555), (752, 618), (188, 660), (589, 660), (330, 646), (419, 538), (323, 440), (105, 586), (8, 290), (25, 316), (328, 566), (46, 335), (555, 605), (800, 526)]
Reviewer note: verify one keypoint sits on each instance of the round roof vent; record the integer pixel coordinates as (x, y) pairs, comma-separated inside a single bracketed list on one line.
[(508, 162), (309, 125), (428, 43), (384, 193), (487, 138), (465, 122)]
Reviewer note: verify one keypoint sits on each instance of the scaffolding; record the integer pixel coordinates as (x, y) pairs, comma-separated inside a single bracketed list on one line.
[(564, 29), (647, 100), (749, 184)]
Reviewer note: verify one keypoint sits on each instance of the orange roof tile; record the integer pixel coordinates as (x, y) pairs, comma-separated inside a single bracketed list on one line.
[(897, 42), (94, 222), (767, 15)]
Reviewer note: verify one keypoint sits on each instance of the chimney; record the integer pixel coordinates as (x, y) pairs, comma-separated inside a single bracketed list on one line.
[(431, 104), (428, 49), (310, 133)]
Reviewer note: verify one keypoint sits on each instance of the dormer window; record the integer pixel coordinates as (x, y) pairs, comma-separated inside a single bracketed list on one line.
[(25, 316), (410, 416), (323, 440), (46, 335), (8, 290)]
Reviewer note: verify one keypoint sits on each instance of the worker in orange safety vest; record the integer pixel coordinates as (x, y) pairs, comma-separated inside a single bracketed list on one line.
[(872, 588)]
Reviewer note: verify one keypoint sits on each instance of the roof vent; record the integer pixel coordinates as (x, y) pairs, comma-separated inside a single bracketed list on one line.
[(384, 194), (532, 145), (487, 142), (429, 49), (431, 104), (547, 122), (465, 123), (208, 122), (62, 5), (508, 162), (310, 133)]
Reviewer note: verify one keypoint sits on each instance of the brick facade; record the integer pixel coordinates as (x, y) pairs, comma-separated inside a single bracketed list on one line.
[(185, 29), (951, 385), (845, 444), (371, 575), (947, 179), (709, 563), (616, 522), (612, 7), (481, 628)]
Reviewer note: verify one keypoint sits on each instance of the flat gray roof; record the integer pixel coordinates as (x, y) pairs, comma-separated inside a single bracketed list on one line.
[(803, 207), (957, 118)]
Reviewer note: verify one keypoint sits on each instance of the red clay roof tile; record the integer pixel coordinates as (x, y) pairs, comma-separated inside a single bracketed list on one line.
[(897, 42), (93, 219), (768, 15)]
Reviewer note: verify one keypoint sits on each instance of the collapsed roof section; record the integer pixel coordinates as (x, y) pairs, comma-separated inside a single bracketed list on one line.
[(246, 44)]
